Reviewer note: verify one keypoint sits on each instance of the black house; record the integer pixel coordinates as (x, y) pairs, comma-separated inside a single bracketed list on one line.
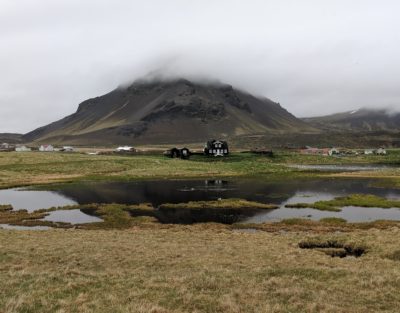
[(216, 148), (183, 153)]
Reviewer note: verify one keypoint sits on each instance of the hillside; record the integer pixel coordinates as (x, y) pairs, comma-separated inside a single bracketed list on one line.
[(169, 111), (363, 120), (10, 138)]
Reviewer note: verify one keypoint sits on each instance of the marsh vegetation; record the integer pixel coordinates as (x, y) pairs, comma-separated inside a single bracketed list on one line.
[(133, 261)]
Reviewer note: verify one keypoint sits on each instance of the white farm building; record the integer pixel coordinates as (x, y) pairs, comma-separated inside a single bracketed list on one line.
[(46, 148)]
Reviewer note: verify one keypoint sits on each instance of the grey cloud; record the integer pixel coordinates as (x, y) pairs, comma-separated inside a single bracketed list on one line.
[(314, 57)]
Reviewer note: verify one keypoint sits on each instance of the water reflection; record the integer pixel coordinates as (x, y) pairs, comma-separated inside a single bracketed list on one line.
[(71, 216), (157, 192)]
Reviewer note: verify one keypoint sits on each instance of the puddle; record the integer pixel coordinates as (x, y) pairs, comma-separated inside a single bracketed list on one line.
[(71, 216), (343, 168), (16, 227), (245, 230), (32, 200)]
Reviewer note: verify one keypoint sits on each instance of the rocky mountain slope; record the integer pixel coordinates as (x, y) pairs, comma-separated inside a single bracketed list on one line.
[(169, 112), (363, 120)]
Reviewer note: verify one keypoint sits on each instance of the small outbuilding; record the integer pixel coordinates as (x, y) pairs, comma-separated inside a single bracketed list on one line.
[(67, 149), (183, 153), (22, 149), (216, 148), (333, 151), (125, 149), (4, 146), (381, 151), (46, 148)]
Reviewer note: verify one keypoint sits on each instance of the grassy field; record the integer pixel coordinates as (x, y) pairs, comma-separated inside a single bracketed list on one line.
[(133, 264), (32, 168), (195, 269)]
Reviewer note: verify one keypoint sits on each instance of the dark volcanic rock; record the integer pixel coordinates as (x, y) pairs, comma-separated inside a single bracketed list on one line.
[(168, 111)]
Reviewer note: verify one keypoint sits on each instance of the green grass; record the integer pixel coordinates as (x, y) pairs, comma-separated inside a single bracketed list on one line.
[(5, 207), (232, 204), (357, 200), (115, 216), (333, 220), (34, 168), (37, 168)]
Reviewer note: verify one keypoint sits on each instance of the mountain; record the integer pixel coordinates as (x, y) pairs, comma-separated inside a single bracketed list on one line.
[(10, 138), (168, 112), (363, 120)]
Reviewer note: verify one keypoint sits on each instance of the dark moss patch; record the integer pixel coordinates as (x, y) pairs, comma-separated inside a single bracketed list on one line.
[(334, 247)]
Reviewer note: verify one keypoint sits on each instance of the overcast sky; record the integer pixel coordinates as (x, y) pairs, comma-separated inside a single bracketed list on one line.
[(314, 57)]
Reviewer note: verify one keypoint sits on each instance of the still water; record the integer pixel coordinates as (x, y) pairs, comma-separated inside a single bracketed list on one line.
[(157, 192)]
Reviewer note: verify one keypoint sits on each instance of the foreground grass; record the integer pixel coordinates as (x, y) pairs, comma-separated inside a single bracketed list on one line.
[(357, 200), (325, 225), (194, 269)]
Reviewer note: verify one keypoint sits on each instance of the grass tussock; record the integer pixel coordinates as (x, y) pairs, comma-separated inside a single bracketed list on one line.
[(232, 204), (117, 216), (333, 220), (5, 207), (394, 256), (335, 247), (357, 200)]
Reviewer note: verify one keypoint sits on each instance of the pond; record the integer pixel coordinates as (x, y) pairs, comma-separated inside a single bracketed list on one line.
[(344, 167), (156, 192)]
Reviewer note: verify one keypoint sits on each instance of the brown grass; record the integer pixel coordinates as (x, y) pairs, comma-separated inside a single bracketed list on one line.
[(193, 269)]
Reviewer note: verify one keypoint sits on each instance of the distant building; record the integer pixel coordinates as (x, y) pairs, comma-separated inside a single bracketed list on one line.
[(380, 151), (125, 149), (67, 149), (183, 153), (46, 148), (216, 148), (22, 149), (333, 151), (6, 147)]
